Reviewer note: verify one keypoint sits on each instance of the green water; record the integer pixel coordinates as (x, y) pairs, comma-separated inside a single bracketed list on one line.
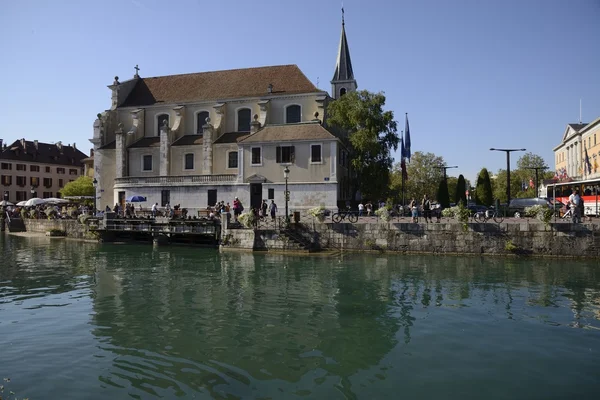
[(87, 321)]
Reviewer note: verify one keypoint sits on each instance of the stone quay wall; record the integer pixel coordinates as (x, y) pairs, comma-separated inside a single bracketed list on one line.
[(526, 237), (71, 227)]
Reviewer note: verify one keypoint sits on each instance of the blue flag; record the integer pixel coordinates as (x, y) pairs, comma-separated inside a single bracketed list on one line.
[(402, 151), (588, 164), (407, 139)]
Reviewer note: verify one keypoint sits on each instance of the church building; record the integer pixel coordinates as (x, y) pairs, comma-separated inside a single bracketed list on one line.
[(196, 139)]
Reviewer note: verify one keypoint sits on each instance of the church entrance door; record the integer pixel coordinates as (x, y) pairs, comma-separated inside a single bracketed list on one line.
[(255, 195)]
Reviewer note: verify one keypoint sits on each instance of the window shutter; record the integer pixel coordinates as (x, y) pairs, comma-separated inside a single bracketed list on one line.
[(278, 155), (292, 154)]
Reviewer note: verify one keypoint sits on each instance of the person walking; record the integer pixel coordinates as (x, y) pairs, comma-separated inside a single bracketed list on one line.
[(273, 209), (237, 208), (369, 207), (414, 211), (574, 200), (426, 205), (154, 209), (361, 209)]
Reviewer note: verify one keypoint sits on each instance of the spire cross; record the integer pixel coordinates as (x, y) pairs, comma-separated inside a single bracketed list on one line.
[(137, 70), (342, 13)]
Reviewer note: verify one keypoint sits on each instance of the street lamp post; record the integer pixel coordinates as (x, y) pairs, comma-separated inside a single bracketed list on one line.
[(286, 175), (444, 168), (95, 183), (507, 151)]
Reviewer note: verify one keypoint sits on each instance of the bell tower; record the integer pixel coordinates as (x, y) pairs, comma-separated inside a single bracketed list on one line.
[(343, 79)]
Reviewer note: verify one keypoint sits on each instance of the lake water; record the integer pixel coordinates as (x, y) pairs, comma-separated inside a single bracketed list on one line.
[(107, 321)]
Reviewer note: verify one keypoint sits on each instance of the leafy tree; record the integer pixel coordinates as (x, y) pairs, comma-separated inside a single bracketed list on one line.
[(423, 176), (452, 182), (461, 188), (483, 191), (530, 160), (443, 196), (82, 186), (370, 134)]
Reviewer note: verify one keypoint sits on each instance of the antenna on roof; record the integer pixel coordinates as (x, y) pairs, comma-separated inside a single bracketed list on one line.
[(580, 111)]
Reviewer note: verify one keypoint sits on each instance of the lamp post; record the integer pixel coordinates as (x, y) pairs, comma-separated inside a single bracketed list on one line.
[(95, 183), (286, 175), (32, 191), (507, 151), (444, 168)]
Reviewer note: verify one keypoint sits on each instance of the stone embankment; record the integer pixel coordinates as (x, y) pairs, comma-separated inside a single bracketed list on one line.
[(526, 237)]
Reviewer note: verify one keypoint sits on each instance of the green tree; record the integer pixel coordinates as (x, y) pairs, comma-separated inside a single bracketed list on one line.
[(370, 134), (82, 186), (528, 160), (443, 196), (461, 188), (423, 176), (483, 191)]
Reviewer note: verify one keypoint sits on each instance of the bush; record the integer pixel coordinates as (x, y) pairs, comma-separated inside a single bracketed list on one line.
[(541, 212), (83, 218), (318, 212), (247, 219), (383, 213)]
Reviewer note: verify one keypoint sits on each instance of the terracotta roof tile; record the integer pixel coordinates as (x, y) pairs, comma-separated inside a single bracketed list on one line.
[(46, 153), (219, 85), (290, 132)]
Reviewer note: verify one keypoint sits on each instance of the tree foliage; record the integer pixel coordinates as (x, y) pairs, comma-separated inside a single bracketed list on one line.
[(443, 196), (82, 186), (529, 160), (483, 191), (370, 136), (423, 176), (522, 179), (461, 188)]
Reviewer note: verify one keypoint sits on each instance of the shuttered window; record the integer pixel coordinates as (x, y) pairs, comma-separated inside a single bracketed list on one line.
[(285, 154)]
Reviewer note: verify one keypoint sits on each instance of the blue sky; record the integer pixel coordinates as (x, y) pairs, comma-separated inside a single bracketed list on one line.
[(471, 74)]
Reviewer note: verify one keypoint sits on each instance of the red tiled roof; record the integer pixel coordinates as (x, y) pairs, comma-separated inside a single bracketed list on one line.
[(216, 85)]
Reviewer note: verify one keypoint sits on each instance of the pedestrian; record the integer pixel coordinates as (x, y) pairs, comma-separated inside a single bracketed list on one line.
[(154, 209), (273, 209), (574, 200), (263, 209), (414, 211), (237, 208), (426, 205), (361, 209), (369, 208)]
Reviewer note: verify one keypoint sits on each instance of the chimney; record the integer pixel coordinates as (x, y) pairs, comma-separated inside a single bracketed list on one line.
[(74, 146), (1, 140), (91, 152), (270, 88), (23, 143), (59, 146), (35, 143)]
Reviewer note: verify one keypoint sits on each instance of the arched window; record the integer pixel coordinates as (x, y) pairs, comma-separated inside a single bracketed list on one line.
[(161, 119), (293, 114), (243, 120), (342, 91), (201, 121)]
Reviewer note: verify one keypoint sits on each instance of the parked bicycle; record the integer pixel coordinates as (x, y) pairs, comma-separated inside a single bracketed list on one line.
[(484, 216), (345, 214)]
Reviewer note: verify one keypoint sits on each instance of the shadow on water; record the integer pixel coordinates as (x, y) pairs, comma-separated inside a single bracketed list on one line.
[(172, 322)]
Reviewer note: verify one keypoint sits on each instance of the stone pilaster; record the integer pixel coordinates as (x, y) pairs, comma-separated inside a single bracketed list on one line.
[(121, 152), (164, 150), (207, 143)]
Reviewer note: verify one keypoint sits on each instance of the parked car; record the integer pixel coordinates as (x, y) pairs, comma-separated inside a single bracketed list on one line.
[(516, 207)]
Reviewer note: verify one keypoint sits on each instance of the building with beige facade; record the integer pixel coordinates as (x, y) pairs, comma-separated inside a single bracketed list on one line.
[(34, 169), (577, 157), (196, 139)]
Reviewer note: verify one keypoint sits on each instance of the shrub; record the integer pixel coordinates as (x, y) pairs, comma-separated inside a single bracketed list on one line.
[(247, 219), (318, 212), (542, 213), (83, 218), (383, 213)]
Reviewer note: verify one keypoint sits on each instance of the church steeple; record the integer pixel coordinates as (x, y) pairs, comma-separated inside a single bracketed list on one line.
[(343, 79)]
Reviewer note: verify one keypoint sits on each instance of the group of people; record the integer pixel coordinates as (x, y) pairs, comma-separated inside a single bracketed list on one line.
[(429, 210)]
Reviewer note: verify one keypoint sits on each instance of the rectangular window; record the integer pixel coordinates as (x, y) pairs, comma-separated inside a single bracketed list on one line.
[(315, 153), (34, 168), (48, 170), (72, 171), (21, 195), (212, 197), (21, 181), (165, 197), (45, 195), (61, 183), (6, 166), (6, 180), (285, 154), (60, 170), (34, 181), (189, 161), (232, 159), (48, 183), (256, 156), (21, 167), (271, 195), (147, 163)]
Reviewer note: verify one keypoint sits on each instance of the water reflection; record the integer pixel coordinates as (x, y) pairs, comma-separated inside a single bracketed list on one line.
[(176, 321)]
